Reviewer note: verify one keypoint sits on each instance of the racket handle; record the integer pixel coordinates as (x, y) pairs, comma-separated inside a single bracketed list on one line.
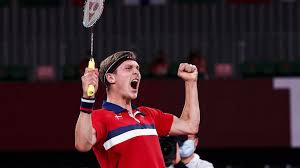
[(91, 88)]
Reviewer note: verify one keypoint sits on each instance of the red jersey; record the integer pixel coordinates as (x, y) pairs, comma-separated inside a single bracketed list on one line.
[(129, 140)]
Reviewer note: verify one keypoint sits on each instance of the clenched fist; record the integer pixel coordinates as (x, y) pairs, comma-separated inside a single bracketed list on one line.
[(90, 77), (187, 72)]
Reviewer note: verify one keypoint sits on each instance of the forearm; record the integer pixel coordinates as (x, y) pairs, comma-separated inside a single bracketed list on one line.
[(191, 110), (84, 133)]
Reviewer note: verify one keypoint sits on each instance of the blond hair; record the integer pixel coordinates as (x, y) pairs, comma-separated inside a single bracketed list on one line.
[(113, 61)]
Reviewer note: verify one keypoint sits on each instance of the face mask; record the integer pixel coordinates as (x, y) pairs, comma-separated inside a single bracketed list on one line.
[(187, 149)]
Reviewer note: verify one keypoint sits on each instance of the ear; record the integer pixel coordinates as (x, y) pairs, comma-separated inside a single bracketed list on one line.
[(110, 78), (196, 142)]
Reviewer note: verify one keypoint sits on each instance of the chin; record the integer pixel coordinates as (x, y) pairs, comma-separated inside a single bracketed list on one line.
[(133, 96)]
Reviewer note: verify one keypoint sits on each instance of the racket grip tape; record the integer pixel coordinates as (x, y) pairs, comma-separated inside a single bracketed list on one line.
[(91, 88)]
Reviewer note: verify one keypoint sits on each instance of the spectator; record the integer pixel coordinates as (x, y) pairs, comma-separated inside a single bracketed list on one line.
[(186, 156)]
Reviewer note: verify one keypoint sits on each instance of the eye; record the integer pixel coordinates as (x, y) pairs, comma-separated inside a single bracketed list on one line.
[(128, 67)]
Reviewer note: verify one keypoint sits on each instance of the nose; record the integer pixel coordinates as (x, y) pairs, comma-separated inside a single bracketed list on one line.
[(136, 71)]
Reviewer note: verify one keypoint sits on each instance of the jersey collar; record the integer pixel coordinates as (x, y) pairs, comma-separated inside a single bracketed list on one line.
[(115, 108)]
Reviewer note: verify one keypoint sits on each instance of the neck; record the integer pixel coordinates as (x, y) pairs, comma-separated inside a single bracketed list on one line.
[(188, 159), (120, 101)]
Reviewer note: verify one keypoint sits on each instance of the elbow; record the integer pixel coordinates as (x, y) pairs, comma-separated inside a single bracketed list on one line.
[(191, 131), (83, 142), (81, 147), (194, 130)]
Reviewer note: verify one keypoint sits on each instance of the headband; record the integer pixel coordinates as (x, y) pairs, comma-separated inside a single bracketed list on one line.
[(124, 57)]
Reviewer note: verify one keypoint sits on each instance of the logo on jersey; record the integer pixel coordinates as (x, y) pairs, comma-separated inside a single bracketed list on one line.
[(118, 116)]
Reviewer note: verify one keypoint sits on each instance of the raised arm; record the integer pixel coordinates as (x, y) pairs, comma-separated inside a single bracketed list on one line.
[(85, 134), (189, 121)]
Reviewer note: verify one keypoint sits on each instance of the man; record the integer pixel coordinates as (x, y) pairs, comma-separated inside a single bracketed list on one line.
[(120, 134), (187, 155)]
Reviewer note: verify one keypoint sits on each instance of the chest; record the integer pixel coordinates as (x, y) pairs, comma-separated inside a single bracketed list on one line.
[(125, 132), (125, 119)]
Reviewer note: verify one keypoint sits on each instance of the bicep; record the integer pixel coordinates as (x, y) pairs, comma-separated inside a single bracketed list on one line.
[(179, 127)]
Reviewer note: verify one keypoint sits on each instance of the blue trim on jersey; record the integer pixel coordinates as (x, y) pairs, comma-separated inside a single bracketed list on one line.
[(115, 108), (124, 129)]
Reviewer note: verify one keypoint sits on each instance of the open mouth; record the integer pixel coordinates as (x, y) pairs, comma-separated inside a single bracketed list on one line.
[(134, 83)]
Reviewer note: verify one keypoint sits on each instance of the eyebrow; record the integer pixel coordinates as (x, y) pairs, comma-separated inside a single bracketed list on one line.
[(132, 65)]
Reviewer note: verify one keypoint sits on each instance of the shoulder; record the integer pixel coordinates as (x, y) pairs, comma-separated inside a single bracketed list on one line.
[(101, 113), (201, 163), (155, 113), (100, 110), (149, 110)]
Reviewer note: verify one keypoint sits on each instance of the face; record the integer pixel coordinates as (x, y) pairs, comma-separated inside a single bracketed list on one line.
[(188, 147), (127, 79)]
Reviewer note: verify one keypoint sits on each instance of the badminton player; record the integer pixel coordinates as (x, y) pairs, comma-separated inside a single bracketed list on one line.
[(121, 134)]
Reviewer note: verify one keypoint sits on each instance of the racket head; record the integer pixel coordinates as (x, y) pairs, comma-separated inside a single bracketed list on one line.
[(92, 11)]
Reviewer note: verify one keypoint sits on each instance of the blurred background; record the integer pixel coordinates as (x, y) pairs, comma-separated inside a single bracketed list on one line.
[(247, 53)]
